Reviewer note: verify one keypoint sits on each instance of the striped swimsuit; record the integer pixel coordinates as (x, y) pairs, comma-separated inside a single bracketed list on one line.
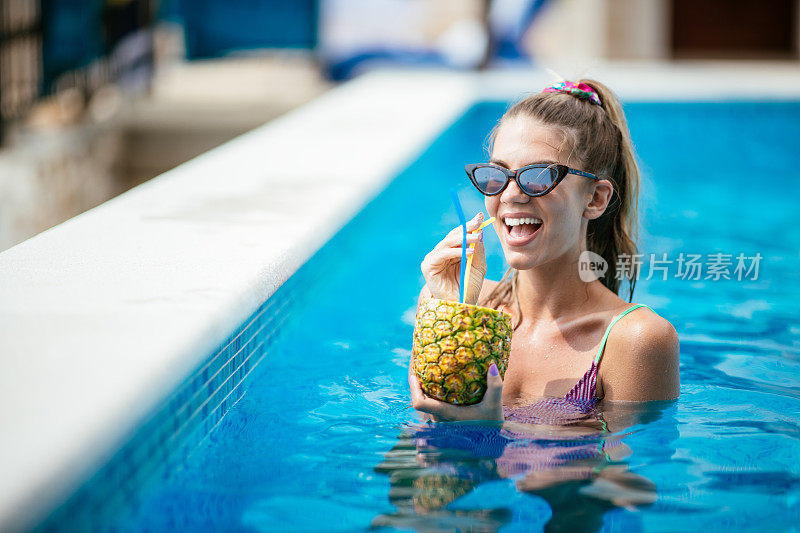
[(577, 403), (585, 388)]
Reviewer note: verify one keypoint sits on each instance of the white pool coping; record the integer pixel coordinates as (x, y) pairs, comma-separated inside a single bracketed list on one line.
[(102, 316)]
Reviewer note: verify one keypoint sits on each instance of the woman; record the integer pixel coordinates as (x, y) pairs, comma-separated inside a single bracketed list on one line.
[(562, 180)]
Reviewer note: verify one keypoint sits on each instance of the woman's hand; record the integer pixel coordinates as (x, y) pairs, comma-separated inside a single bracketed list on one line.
[(489, 408), (442, 266)]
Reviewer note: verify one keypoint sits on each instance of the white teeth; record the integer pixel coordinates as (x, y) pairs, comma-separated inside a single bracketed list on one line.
[(518, 221)]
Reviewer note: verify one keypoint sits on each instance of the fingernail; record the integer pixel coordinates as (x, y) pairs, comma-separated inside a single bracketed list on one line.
[(493, 370)]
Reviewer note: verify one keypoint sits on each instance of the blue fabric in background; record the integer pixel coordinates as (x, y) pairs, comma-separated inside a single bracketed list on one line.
[(214, 28), (72, 36), (507, 39), (82, 39)]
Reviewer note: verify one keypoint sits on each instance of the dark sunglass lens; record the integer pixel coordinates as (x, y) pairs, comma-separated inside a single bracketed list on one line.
[(537, 180), (489, 180)]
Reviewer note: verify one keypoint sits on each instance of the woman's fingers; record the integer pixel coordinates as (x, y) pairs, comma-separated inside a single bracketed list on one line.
[(421, 402), (439, 261), (440, 266), (446, 251), (472, 224), (493, 399), (440, 410), (444, 257), (414, 384), (490, 408), (455, 236), (418, 396), (456, 240), (494, 385), (476, 221)]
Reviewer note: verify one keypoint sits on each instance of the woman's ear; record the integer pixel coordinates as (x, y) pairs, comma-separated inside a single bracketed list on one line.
[(601, 197)]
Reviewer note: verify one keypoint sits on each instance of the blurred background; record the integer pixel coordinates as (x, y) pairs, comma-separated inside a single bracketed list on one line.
[(98, 96)]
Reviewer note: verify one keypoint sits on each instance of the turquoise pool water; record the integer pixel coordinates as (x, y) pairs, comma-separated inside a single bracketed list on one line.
[(323, 439)]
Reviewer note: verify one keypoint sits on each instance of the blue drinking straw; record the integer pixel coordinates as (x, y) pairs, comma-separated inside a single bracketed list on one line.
[(463, 221)]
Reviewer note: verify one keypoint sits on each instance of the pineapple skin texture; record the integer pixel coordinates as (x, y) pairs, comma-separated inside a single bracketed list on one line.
[(453, 347)]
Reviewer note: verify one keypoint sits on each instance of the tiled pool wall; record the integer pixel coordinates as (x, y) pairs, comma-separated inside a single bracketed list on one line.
[(183, 420)]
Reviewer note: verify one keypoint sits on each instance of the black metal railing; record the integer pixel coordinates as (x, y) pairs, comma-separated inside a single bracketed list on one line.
[(49, 46), (20, 58)]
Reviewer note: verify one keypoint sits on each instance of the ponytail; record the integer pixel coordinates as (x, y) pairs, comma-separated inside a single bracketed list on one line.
[(614, 234)]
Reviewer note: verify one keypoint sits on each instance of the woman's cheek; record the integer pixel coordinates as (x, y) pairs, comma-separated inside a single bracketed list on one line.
[(491, 205)]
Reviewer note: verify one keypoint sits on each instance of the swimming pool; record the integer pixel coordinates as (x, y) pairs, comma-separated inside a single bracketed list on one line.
[(321, 438)]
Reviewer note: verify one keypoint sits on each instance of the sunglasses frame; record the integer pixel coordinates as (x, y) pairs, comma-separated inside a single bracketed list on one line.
[(562, 171)]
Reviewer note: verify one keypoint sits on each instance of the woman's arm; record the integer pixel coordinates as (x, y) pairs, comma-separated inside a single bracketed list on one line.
[(640, 362)]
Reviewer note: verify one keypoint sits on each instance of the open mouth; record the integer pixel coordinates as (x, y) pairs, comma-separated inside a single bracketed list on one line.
[(521, 231)]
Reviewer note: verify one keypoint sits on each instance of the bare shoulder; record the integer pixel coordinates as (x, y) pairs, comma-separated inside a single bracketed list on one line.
[(646, 330), (641, 359)]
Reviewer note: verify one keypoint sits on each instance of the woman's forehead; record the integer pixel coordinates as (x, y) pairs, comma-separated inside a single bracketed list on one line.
[(523, 141)]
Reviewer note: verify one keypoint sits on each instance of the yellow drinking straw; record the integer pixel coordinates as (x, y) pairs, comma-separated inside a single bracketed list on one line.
[(469, 258)]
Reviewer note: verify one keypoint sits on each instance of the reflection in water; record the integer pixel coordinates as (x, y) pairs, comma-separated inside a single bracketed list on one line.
[(553, 465)]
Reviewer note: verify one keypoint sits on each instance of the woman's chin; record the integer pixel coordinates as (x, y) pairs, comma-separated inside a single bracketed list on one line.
[(519, 261)]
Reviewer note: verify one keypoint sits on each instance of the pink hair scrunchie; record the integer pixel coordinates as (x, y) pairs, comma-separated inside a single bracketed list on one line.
[(580, 90)]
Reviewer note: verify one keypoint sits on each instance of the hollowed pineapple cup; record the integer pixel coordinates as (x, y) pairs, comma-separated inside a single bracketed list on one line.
[(454, 346)]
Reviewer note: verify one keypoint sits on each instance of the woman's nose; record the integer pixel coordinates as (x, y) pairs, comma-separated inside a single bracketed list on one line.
[(513, 194)]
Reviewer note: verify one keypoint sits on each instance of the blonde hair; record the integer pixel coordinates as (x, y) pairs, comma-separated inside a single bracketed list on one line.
[(600, 143)]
